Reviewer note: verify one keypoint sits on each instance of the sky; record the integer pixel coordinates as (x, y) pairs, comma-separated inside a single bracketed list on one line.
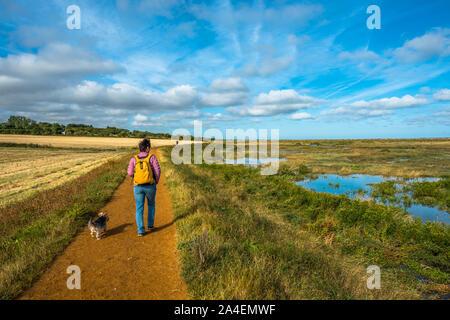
[(312, 69)]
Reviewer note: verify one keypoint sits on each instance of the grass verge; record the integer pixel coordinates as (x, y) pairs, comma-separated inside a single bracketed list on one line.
[(246, 236), (34, 231)]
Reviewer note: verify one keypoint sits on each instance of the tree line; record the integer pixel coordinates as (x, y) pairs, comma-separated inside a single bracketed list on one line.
[(24, 125)]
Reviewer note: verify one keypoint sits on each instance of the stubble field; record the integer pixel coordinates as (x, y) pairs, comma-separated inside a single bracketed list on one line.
[(27, 171)]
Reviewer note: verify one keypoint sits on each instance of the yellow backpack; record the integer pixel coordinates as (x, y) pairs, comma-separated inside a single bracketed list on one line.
[(143, 172)]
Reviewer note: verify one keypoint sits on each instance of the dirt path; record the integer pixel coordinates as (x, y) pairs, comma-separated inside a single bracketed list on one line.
[(121, 265)]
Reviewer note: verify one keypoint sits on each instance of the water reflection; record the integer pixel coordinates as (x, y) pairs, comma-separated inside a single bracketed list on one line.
[(358, 186)]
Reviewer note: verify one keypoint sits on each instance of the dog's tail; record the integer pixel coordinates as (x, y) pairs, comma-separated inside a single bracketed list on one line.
[(90, 222)]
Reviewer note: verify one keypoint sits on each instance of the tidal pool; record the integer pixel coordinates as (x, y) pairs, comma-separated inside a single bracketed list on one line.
[(358, 186)]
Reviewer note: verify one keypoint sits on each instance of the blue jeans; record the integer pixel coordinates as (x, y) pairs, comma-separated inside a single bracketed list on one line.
[(140, 193)]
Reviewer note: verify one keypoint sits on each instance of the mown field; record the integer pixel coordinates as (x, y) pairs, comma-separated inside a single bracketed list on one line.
[(80, 142), (26, 171), (247, 236)]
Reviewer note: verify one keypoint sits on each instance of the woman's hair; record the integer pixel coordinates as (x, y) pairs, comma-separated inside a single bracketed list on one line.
[(144, 144)]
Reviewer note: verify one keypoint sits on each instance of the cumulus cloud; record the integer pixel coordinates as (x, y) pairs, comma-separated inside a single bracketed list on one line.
[(276, 102), (141, 120), (435, 43), (228, 84), (223, 99), (441, 95), (375, 108), (300, 116), (224, 92), (407, 101), (288, 96), (51, 81), (127, 96), (54, 67), (56, 60), (180, 118)]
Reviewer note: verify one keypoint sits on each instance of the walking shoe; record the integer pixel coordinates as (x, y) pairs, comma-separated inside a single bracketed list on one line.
[(151, 229), (140, 234)]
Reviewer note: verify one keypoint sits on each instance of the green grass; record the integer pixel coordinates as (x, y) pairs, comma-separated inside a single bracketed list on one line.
[(33, 232), (428, 193), (432, 193), (246, 236)]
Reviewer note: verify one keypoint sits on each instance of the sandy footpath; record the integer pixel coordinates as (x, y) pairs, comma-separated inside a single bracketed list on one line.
[(121, 265)]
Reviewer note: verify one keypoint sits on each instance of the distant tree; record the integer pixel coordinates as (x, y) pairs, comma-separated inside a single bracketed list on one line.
[(20, 122), (23, 125)]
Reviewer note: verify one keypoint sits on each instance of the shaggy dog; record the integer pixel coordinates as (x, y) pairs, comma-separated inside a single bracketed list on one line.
[(98, 225)]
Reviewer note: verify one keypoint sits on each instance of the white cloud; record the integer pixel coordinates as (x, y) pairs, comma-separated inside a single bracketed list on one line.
[(264, 110), (57, 60), (229, 84), (445, 113), (300, 116), (276, 102), (442, 95), (359, 55), (224, 92), (223, 99), (140, 118), (267, 67), (435, 43), (375, 108), (352, 113), (287, 96), (165, 119), (407, 101)]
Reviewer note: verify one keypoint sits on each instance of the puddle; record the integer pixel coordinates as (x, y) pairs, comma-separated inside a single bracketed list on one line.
[(358, 186)]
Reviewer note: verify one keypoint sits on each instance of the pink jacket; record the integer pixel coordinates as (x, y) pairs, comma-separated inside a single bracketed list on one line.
[(153, 163)]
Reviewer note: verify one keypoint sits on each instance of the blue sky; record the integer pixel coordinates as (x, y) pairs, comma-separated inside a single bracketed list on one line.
[(311, 69)]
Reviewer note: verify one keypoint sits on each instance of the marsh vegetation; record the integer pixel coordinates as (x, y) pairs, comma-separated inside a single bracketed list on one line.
[(247, 236)]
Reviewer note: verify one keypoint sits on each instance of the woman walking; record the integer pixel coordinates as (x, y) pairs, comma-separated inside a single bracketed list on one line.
[(145, 171)]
